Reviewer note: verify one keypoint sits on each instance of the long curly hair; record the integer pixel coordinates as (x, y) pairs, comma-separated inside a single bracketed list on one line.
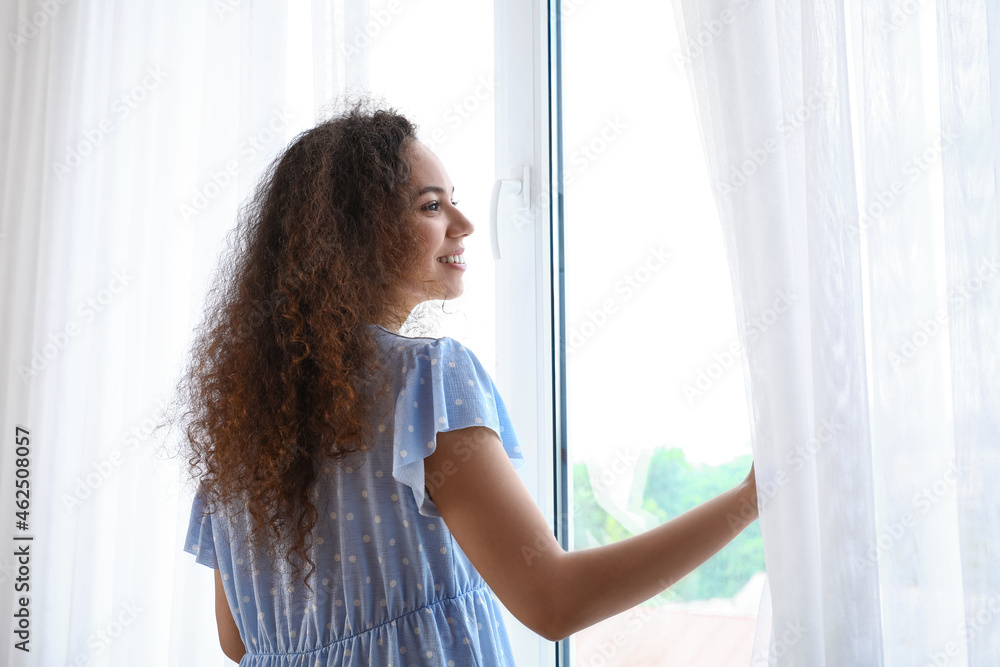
[(283, 370)]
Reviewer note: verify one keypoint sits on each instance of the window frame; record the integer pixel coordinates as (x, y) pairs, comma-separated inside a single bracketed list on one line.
[(530, 325)]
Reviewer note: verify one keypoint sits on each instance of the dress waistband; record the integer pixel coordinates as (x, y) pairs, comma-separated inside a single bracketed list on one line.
[(481, 587)]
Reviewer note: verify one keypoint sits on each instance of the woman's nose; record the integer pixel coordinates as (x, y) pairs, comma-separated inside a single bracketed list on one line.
[(462, 225)]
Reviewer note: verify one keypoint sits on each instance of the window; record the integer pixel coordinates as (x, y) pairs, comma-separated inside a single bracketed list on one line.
[(622, 286)]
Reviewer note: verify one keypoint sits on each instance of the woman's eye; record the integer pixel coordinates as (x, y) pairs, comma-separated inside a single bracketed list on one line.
[(436, 205)]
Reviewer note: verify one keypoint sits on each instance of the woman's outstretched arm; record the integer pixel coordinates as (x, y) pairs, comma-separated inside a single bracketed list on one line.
[(554, 592)]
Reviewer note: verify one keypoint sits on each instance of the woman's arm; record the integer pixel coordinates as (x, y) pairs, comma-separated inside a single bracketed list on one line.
[(554, 592), (229, 634)]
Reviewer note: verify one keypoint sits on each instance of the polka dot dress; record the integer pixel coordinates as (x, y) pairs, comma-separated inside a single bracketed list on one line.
[(392, 586)]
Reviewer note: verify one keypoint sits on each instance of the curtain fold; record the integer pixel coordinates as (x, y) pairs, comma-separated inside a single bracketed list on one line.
[(133, 131), (852, 150), (968, 34)]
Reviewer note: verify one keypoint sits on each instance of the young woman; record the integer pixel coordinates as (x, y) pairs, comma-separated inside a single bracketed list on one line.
[(358, 496)]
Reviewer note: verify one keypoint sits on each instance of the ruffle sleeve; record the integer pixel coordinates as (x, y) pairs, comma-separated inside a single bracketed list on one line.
[(200, 540), (446, 388)]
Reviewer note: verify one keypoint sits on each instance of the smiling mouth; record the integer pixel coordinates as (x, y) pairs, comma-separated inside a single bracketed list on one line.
[(452, 259)]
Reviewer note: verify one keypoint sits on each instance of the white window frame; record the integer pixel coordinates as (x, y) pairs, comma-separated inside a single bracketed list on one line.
[(528, 323)]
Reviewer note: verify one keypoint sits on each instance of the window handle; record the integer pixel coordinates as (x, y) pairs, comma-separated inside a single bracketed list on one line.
[(501, 187)]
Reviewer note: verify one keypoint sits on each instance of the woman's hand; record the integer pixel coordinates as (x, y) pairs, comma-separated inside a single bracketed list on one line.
[(748, 490)]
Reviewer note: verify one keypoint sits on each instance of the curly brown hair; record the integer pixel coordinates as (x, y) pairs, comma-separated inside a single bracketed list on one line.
[(283, 368)]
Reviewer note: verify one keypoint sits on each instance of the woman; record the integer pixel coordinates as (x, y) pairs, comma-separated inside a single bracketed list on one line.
[(364, 505)]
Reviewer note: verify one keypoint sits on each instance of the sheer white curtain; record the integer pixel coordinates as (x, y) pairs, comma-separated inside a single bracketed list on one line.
[(131, 132), (853, 149)]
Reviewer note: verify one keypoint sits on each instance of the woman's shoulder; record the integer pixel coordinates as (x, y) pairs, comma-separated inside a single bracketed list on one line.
[(403, 343), (449, 356)]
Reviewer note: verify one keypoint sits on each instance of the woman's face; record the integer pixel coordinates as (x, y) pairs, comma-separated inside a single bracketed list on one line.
[(442, 228)]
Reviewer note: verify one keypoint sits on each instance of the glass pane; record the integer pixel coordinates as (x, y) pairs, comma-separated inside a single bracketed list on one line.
[(657, 412)]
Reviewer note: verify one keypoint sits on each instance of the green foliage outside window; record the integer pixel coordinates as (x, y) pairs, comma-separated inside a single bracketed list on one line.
[(673, 486)]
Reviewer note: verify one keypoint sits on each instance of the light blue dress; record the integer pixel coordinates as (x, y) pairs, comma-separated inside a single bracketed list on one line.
[(392, 586)]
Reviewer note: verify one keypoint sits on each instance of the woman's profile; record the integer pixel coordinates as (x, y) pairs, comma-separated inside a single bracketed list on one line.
[(357, 493)]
